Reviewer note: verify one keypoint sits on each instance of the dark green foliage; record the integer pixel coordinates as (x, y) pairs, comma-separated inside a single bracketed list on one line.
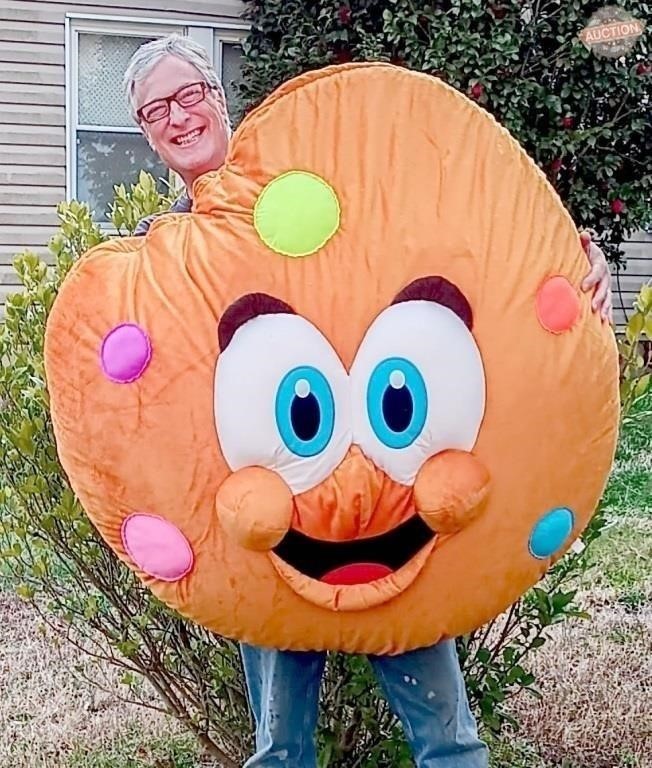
[(583, 118)]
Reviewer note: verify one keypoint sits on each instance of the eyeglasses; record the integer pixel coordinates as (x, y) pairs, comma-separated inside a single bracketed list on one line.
[(185, 97)]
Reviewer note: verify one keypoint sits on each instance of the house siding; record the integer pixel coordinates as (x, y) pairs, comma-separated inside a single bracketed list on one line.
[(637, 270), (32, 133)]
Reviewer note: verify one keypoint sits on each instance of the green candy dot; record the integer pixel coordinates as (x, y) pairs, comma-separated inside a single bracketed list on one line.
[(296, 213)]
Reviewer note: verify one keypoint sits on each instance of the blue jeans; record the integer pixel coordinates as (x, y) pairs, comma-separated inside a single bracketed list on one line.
[(424, 688)]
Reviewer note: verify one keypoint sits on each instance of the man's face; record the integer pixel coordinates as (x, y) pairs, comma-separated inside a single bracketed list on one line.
[(190, 140)]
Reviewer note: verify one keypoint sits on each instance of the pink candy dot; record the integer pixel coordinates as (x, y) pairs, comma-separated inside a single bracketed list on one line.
[(157, 547), (125, 354), (557, 305)]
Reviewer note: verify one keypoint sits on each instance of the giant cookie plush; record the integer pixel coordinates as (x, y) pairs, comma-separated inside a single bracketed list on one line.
[(356, 400)]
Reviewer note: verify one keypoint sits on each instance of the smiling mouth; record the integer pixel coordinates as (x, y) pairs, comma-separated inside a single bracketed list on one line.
[(354, 562), (188, 138)]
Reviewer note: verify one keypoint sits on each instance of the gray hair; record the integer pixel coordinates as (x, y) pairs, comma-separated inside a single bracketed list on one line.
[(149, 55)]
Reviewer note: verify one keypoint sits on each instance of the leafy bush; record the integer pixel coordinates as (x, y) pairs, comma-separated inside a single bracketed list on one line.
[(52, 556), (635, 350), (581, 117), (50, 552)]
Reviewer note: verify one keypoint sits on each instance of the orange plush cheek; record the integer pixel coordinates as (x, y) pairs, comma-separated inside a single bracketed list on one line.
[(451, 490), (254, 506)]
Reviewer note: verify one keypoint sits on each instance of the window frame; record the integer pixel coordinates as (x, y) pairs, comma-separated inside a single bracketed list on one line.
[(212, 35)]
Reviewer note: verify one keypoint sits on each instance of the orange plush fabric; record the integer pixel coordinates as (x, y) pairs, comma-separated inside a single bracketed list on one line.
[(356, 400)]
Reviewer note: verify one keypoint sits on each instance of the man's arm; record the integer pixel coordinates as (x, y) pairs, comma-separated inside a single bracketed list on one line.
[(182, 204)]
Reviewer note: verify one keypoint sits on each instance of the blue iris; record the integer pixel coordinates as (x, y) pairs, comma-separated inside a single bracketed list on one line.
[(305, 411), (397, 402)]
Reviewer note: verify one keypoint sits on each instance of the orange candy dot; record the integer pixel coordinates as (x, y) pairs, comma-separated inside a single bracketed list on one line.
[(558, 305)]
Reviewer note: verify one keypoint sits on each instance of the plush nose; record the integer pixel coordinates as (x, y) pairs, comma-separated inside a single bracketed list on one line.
[(357, 500)]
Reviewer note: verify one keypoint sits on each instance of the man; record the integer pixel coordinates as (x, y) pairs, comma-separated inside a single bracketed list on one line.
[(179, 104)]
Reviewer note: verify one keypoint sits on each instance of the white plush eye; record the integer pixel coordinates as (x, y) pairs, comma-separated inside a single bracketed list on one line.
[(418, 387), (282, 400)]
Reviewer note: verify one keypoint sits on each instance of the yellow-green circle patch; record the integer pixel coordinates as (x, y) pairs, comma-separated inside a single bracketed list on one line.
[(297, 213)]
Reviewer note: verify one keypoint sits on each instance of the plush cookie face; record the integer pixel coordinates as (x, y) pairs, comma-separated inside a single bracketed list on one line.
[(356, 399)]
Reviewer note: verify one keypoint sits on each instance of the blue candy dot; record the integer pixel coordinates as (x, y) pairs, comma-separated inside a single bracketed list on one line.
[(551, 531)]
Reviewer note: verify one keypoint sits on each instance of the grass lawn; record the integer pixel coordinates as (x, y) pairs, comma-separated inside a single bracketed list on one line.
[(178, 750), (595, 675)]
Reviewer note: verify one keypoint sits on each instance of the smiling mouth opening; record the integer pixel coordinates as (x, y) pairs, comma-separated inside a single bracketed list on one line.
[(188, 138), (354, 562)]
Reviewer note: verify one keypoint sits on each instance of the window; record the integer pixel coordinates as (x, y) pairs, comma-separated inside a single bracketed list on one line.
[(104, 146), (228, 53)]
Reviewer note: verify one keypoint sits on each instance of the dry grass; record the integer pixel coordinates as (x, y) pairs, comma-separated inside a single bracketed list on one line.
[(51, 718), (596, 677)]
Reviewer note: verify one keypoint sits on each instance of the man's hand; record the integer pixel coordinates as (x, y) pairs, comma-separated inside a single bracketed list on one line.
[(598, 278)]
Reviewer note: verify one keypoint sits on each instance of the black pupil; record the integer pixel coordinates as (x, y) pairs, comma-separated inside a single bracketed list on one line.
[(305, 416), (398, 408)]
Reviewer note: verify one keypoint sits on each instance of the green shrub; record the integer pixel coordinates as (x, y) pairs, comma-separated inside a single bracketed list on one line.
[(52, 556), (635, 348), (581, 117)]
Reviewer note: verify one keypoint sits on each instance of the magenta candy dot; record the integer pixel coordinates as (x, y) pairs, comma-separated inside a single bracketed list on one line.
[(126, 352), (157, 547)]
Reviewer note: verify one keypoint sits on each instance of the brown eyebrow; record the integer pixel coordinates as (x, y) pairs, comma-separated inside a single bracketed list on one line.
[(246, 308), (441, 291)]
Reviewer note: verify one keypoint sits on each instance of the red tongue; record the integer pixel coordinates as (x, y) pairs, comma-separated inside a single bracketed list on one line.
[(357, 573)]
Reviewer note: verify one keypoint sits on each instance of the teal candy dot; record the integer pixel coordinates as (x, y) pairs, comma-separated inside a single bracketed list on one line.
[(551, 532), (297, 213)]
